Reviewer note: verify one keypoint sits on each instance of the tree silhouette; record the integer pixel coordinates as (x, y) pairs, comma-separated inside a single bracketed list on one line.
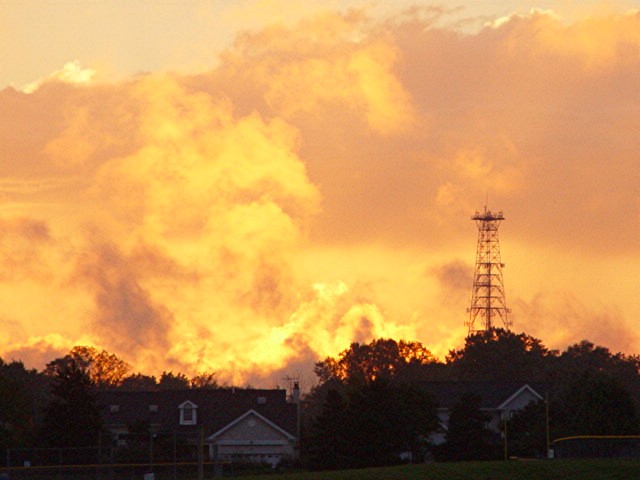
[(371, 424), (501, 355), (204, 381), (171, 381), (17, 404), (467, 437), (328, 441), (382, 359), (72, 418), (527, 431), (595, 404), (105, 369), (139, 381), (585, 357)]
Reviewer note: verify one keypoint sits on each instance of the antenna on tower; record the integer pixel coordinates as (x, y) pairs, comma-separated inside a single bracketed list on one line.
[(487, 299)]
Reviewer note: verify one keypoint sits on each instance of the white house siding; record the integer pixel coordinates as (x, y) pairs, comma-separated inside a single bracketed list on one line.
[(520, 401), (252, 439), (251, 427)]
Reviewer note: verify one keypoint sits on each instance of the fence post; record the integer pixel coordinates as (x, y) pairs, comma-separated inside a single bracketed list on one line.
[(150, 452)]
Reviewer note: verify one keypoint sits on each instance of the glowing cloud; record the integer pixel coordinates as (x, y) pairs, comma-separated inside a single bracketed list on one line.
[(72, 72), (315, 187)]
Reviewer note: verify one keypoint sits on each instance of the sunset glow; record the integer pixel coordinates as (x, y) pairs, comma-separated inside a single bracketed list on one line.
[(249, 194)]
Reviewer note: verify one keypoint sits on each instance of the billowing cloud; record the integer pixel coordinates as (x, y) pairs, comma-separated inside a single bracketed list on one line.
[(71, 72), (562, 319), (315, 188)]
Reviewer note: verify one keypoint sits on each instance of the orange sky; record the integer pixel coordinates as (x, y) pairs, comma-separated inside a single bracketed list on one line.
[(313, 185)]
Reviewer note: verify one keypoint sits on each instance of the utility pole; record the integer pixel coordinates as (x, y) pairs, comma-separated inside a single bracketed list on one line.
[(505, 415), (487, 299), (200, 453), (293, 388), (546, 421)]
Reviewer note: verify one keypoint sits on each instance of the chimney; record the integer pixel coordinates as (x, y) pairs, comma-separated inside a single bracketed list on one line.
[(295, 392)]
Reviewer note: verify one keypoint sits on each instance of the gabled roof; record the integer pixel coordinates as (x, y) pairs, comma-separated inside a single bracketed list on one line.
[(245, 415), (217, 408), (493, 395), (520, 391)]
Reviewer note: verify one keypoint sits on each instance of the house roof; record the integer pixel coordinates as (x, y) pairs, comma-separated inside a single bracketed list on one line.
[(216, 408), (519, 392), (493, 395)]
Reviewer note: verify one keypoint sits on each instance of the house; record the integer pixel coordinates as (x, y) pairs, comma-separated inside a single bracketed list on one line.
[(497, 399), (239, 424)]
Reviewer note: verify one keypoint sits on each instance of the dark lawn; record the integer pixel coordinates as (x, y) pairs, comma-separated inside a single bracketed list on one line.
[(512, 470)]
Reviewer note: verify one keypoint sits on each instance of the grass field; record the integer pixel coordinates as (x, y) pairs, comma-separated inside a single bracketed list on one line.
[(512, 470)]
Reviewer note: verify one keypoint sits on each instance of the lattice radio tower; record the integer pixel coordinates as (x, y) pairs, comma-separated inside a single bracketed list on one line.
[(488, 303)]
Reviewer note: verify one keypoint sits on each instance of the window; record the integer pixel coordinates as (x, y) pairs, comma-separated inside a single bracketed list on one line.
[(188, 413)]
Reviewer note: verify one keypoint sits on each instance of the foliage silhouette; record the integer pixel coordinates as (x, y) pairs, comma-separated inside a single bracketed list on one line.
[(595, 403), (382, 359), (371, 425), (105, 369), (72, 418), (501, 355), (527, 431), (467, 437)]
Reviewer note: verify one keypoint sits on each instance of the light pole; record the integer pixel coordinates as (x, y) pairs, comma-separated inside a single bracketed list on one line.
[(505, 415), (151, 435), (546, 419)]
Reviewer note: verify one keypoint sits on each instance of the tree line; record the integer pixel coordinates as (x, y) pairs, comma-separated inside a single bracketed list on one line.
[(58, 406), (369, 406)]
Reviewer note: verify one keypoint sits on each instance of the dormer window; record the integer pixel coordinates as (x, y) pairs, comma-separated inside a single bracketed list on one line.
[(188, 413)]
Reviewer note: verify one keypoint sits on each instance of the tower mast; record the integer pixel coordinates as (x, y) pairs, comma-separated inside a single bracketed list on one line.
[(487, 299)]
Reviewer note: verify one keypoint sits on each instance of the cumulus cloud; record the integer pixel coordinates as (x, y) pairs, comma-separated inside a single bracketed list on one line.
[(72, 72), (315, 188), (38, 351), (561, 319)]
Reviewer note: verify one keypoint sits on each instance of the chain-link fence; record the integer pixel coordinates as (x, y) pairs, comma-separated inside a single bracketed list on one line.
[(609, 446), (157, 456)]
